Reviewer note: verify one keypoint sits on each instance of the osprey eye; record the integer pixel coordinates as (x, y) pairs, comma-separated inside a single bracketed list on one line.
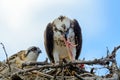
[(55, 29), (33, 49)]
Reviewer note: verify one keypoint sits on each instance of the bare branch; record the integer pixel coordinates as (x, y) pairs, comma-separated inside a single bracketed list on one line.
[(35, 63), (6, 56), (72, 69)]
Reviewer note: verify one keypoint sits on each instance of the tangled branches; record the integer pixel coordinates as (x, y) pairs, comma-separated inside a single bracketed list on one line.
[(67, 70)]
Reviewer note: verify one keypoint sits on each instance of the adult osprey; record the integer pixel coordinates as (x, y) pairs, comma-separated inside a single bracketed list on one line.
[(63, 39)]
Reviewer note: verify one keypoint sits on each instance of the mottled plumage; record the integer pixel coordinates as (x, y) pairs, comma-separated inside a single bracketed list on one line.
[(29, 55), (63, 39)]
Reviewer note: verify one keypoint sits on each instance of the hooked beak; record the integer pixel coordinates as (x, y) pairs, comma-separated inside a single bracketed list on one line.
[(65, 35), (39, 51)]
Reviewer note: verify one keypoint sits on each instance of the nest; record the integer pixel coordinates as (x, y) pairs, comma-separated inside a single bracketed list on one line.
[(65, 70)]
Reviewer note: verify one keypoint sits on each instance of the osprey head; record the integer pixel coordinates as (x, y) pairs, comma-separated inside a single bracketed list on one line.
[(63, 26), (32, 53)]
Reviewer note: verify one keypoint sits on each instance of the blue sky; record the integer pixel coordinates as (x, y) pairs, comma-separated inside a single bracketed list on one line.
[(22, 24)]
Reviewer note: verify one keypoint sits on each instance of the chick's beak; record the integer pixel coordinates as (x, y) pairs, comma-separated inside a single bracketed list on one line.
[(39, 51)]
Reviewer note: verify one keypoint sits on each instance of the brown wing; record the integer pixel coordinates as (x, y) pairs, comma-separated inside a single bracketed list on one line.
[(20, 55), (78, 38), (48, 41)]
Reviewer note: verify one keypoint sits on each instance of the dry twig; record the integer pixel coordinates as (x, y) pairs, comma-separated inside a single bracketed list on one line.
[(6, 56), (50, 71)]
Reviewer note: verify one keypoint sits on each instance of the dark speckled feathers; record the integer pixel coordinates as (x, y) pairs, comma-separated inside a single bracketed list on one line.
[(78, 38), (48, 35), (62, 26)]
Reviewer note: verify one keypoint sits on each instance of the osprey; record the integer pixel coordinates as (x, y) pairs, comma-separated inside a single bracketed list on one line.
[(16, 60), (63, 39), (29, 55)]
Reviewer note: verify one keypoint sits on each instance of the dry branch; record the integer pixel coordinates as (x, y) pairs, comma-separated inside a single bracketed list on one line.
[(68, 70), (6, 56)]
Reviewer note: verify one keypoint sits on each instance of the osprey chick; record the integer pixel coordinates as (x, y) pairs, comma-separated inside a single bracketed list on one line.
[(63, 39), (29, 55)]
